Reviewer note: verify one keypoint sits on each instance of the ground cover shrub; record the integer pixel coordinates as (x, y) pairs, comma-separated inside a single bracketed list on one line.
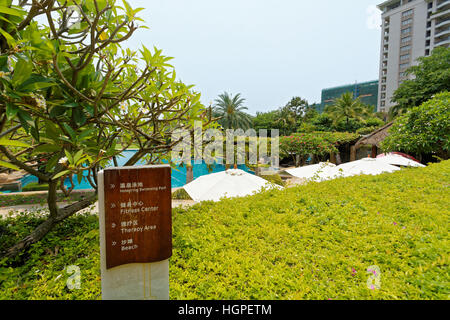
[(15, 199), (34, 186), (274, 178), (315, 241), (181, 194)]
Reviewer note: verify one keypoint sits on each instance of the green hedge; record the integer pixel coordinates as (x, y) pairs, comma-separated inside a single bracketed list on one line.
[(34, 186), (308, 242)]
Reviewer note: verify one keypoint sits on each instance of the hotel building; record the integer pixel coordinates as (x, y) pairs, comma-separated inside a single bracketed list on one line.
[(410, 29)]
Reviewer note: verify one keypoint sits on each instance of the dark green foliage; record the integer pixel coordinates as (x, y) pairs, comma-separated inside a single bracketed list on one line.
[(424, 129), (431, 76), (181, 194)]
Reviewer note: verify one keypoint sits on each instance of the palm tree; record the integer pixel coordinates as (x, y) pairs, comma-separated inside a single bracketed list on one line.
[(230, 109), (346, 108)]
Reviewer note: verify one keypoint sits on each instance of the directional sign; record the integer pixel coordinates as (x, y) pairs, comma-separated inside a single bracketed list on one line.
[(138, 215)]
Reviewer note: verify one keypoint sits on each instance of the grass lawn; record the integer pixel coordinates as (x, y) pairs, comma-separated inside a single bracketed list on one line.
[(310, 242)]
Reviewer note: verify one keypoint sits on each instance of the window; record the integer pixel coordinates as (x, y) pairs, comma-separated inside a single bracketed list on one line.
[(404, 65), (405, 48), (406, 39), (404, 57), (427, 52), (406, 22), (408, 13), (430, 5), (407, 30)]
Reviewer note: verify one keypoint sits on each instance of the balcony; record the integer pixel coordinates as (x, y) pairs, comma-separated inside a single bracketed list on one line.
[(443, 4), (442, 24), (441, 33), (443, 13), (443, 42)]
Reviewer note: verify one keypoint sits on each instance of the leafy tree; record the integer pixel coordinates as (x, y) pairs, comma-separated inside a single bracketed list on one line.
[(266, 121), (286, 120), (431, 76), (231, 111), (73, 99), (423, 130)]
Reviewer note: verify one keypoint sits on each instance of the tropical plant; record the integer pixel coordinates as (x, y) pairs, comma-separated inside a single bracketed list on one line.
[(231, 111), (73, 99), (346, 108), (423, 130)]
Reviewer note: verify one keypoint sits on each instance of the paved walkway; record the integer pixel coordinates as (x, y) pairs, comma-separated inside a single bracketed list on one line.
[(5, 211)]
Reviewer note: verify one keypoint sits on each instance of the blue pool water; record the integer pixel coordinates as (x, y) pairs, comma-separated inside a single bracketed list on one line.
[(178, 174)]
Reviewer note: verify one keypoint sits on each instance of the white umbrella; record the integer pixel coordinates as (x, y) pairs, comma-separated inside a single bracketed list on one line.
[(368, 166), (228, 184), (398, 160), (309, 172)]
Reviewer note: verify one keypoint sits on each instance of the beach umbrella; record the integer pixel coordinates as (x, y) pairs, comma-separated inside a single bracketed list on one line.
[(226, 184), (367, 166), (399, 160), (311, 171)]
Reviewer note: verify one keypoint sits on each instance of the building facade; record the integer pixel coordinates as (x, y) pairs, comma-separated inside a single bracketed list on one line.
[(410, 29), (367, 92)]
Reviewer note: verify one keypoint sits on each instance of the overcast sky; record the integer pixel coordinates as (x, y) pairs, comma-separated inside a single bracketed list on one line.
[(267, 50)]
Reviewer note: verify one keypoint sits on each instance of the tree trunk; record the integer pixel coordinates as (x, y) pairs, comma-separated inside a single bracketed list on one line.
[(338, 158), (189, 174), (333, 158), (374, 152), (352, 153)]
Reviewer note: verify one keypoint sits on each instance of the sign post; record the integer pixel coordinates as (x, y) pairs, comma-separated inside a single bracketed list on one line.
[(135, 212)]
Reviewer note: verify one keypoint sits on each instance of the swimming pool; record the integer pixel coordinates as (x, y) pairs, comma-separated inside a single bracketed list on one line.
[(178, 174)]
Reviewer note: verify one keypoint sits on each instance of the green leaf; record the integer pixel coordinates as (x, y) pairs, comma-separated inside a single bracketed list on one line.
[(69, 156), (57, 111), (47, 148), (85, 134), (80, 117), (59, 175), (69, 131), (77, 156), (11, 110), (22, 72), (52, 162), (25, 120), (12, 12), (79, 178), (36, 86), (8, 38), (13, 143), (8, 165)]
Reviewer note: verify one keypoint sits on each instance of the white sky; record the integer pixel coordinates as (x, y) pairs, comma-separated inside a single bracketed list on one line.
[(267, 50)]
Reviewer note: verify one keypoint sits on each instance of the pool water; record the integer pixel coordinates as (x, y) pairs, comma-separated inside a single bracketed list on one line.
[(178, 174)]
